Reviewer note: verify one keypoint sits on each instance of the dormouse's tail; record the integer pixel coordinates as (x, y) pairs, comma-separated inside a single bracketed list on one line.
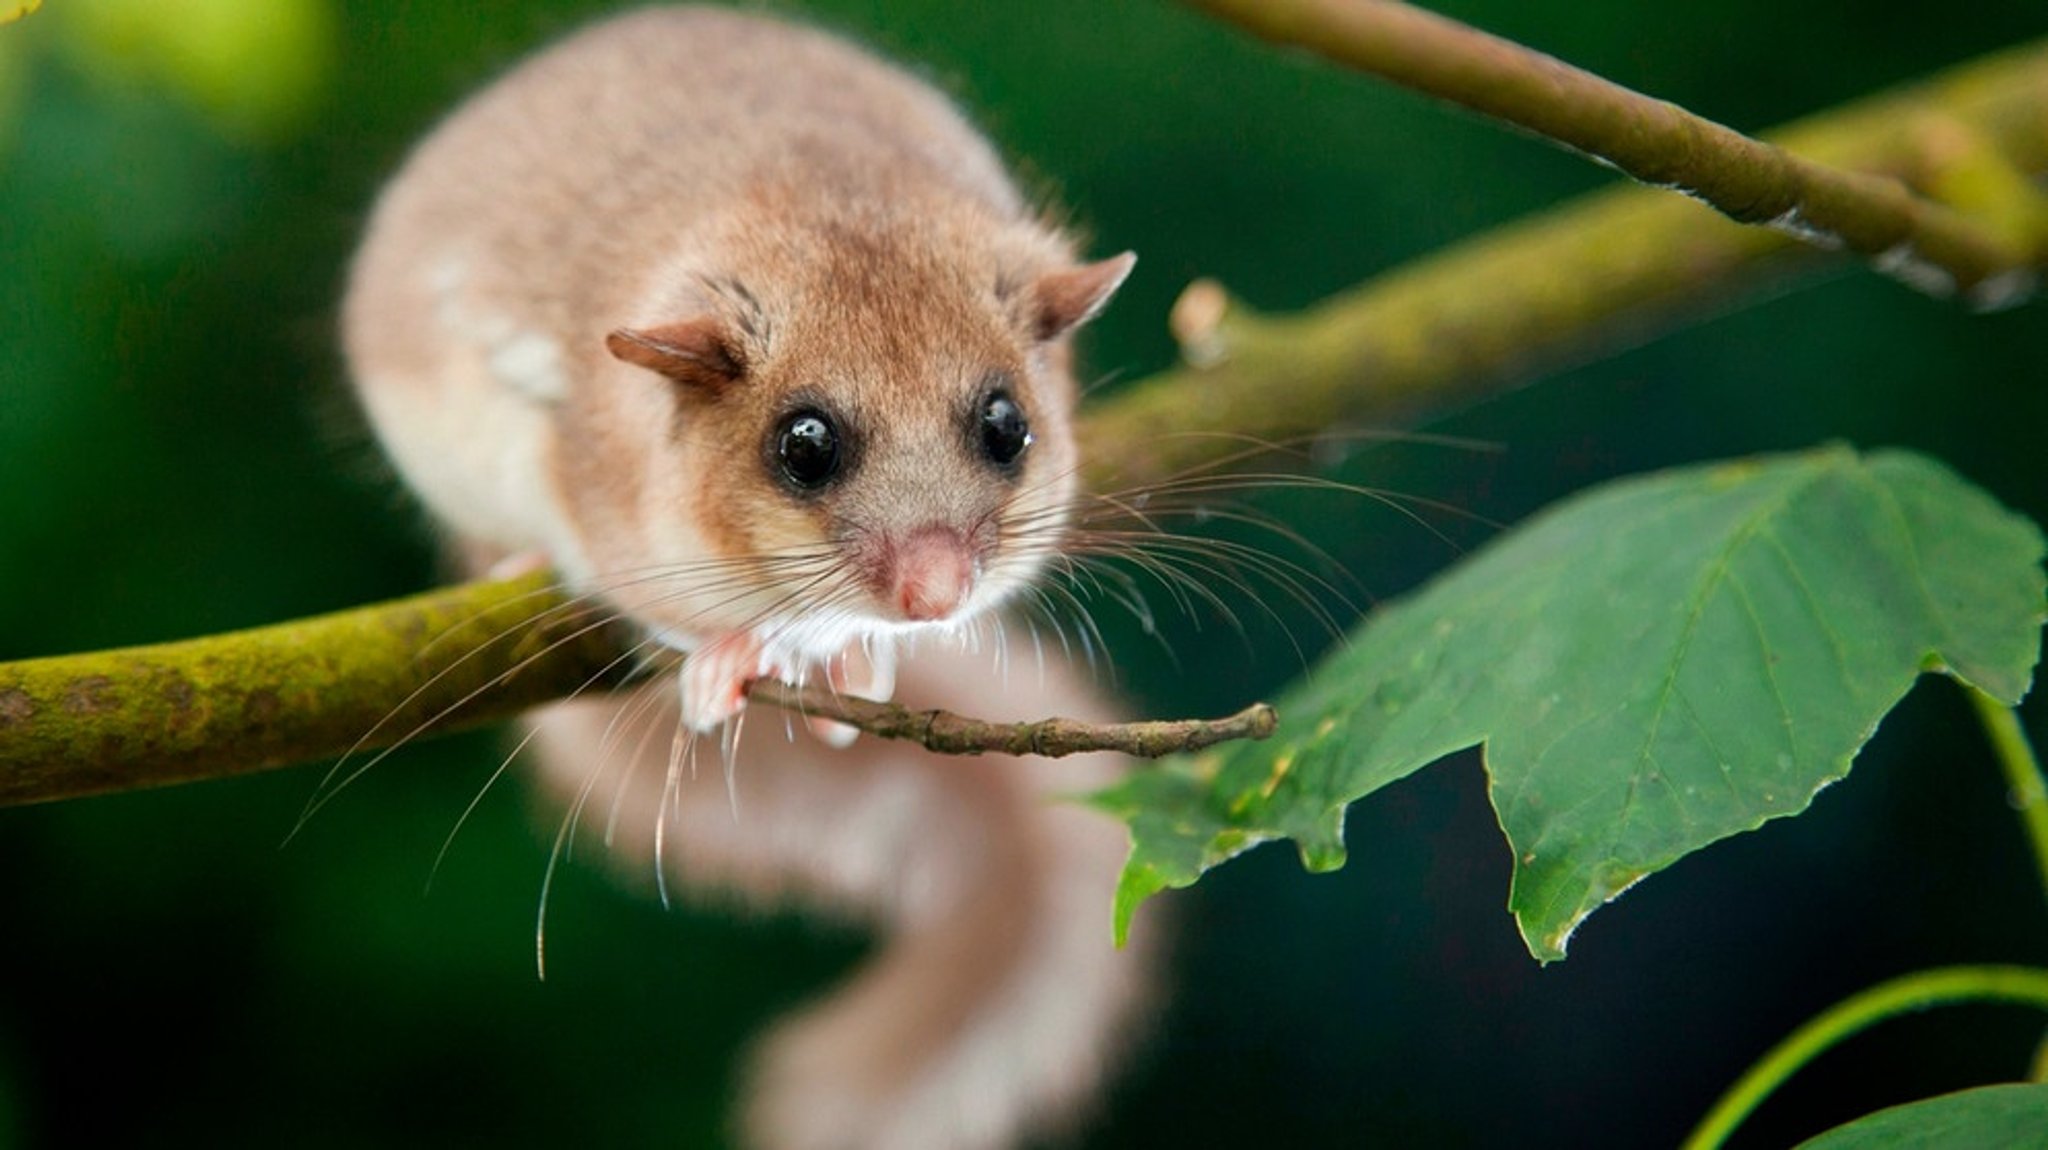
[(998, 1005)]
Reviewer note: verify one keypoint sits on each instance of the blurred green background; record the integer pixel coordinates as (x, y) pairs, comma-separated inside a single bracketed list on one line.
[(180, 185)]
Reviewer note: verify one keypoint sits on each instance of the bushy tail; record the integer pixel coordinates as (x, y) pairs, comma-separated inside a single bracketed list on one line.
[(997, 1005)]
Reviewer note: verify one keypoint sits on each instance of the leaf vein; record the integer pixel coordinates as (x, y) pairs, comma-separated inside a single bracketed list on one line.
[(1943, 637), (1814, 608), (1696, 609)]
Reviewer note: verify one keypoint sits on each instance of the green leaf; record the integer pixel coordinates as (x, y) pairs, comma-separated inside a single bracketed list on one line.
[(1651, 666), (2010, 1117)]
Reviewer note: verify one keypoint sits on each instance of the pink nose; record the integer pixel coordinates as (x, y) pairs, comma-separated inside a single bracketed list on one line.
[(934, 573)]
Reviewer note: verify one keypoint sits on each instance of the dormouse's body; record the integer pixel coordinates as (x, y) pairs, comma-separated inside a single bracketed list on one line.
[(751, 337), (698, 293)]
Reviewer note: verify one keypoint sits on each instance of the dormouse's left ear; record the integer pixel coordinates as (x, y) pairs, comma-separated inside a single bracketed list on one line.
[(699, 353), (1065, 299)]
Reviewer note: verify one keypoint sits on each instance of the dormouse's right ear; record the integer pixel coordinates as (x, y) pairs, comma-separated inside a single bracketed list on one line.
[(1065, 299), (698, 353)]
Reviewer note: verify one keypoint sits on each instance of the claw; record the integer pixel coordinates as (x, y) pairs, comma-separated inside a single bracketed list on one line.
[(869, 673), (714, 680), (519, 563)]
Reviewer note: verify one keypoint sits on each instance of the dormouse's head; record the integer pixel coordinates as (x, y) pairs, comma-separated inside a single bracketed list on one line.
[(857, 426)]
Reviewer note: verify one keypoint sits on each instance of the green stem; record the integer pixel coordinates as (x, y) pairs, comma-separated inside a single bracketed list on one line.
[(2021, 985), (2029, 795)]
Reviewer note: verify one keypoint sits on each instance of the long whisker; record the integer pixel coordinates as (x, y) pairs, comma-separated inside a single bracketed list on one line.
[(329, 789), (1292, 577), (565, 832), (682, 743), (1177, 493), (600, 587), (1311, 447), (1189, 568), (644, 699), (448, 843)]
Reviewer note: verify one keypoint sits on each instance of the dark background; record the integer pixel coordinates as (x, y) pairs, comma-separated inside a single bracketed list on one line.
[(180, 185)]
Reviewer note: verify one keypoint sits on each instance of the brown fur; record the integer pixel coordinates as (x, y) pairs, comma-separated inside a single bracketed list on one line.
[(837, 220), (579, 316), (998, 1005)]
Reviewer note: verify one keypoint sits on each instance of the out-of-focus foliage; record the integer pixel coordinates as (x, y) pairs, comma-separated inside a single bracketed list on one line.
[(253, 69), (14, 77), (8, 1122), (177, 456)]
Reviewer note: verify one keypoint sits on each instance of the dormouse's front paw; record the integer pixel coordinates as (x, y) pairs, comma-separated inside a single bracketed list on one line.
[(869, 673), (715, 677), (517, 564), (714, 680)]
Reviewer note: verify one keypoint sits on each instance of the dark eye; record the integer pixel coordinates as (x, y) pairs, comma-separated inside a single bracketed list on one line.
[(1004, 431), (807, 448)]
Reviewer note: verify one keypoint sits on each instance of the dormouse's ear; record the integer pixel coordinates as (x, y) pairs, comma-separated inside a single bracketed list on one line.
[(698, 353), (1065, 299)]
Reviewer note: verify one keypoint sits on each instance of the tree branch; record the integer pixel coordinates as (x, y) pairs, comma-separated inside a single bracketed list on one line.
[(1438, 333), (273, 696), (361, 680), (1479, 316), (1921, 242)]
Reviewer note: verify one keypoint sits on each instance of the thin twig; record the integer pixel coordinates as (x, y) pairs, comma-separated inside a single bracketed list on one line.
[(1922, 243), (950, 734)]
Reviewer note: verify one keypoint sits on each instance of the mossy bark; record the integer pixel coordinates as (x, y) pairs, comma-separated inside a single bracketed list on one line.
[(273, 696)]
